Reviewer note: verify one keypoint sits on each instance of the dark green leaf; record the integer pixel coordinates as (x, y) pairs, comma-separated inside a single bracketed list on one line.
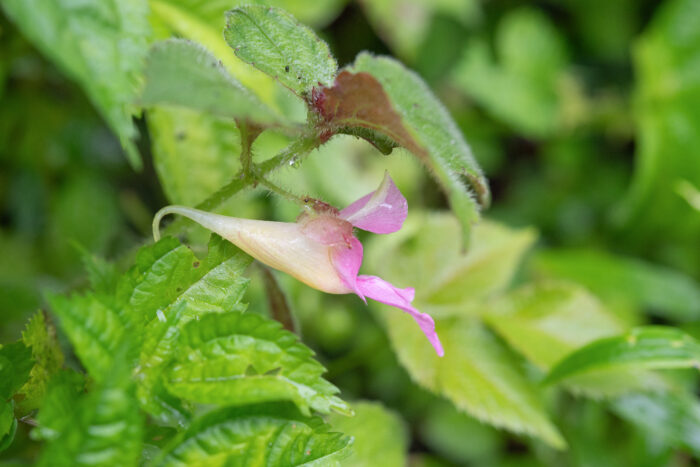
[(273, 41), (648, 347), (100, 44), (241, 358), (8, 423), (266, 434), (15, 365), (184, 74), (439, 143), (40, 336)]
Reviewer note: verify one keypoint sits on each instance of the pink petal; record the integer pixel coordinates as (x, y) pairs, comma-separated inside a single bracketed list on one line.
[(382, 212), (347, 261), (382, 291)]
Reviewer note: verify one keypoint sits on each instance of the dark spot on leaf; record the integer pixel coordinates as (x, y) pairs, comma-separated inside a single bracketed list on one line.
[(178, 289), (195, 264), (180, 135), (286, 68)]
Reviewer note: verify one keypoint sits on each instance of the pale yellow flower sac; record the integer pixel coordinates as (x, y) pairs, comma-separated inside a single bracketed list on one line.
[(280, 245)]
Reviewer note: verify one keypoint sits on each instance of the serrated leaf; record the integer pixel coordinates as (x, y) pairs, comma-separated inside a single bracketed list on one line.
[(40, 337), (273, 41), (673, 417), (102, 274), (105, 425), (94, 326), (378, 434), (265, 434), (546, 321), (427, 255), (184, 74), (193, 153), (647, 347), (170, 286), (100, 45), (665, 291), (243, 358), (440, 144), (477, 374), (15, 365)]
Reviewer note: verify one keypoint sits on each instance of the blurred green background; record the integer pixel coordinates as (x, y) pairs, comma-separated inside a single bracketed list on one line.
[(585, 116)]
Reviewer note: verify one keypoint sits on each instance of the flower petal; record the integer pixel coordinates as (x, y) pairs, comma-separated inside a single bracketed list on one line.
[(382, 291), (347, 261), (382, 212)]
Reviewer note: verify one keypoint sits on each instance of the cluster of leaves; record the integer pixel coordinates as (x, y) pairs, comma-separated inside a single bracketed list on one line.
[(169, 338), (178, 371)]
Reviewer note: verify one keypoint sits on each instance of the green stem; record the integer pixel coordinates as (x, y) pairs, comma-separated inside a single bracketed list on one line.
[(296, 150), (280, 191)]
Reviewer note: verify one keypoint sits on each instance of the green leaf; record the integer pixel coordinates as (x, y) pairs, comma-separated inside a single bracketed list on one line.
[(477, 374), (378, 434), (438, 142), (524, 89), (94, 326), (15, 366), (184, 74), (667, 99), (105, 425), (40, 337), (427, 255), (665, 291), (58, 407), (100, 45), (547, 321), (193, 153), (273, 41), (647, 347), (672, 416), (169, 286), (266, 434), (243, 358), (103, 275), (168, 273), (8, 423)]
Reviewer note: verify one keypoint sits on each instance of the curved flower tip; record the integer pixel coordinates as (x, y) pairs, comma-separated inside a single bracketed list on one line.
[(382, 291), (383, 211)]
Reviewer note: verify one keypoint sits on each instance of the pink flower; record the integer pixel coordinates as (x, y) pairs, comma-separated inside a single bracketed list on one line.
[(320, 249)]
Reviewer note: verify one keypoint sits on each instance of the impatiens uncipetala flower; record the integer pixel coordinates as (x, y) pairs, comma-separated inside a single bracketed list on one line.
[(320, 249)]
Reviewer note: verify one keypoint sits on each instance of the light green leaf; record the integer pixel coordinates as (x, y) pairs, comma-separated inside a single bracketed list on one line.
[(647, 347), (547, 321), (15, 366), (104, 427), (184, 74), (477, 374), (194, 154), (273, 41), (242, 358), (40, 337), (102, 274), (438, 142), (426, 254), (378, 434), (524, 88), (673, 417), (665, 291), (58, 407), (101, 45), (242, 436)]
